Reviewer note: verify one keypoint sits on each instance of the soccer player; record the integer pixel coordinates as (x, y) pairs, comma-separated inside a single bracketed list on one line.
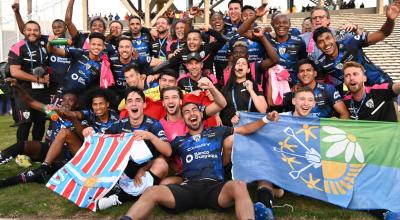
[(66, 129), (204, 185), (120, 62), (328, 100), (336, 53), (303, 102), (81, 40), (141, 38), (289, 48), (84, 72), (144, 128), (99, 117), (374, 102)]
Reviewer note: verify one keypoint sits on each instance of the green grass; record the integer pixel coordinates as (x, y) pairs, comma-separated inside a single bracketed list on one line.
[(37, 202)]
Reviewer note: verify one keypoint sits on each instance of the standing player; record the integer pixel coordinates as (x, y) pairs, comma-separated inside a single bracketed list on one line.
[(28, 60), (84, 72)]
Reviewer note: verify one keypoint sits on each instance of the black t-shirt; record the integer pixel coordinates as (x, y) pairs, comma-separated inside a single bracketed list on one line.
[(206, 51), (29, 56), (376, 105), (188, 85), (238, 99), (159, 48)]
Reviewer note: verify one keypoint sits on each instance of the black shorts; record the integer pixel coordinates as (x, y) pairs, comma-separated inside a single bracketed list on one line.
[(197, 194)]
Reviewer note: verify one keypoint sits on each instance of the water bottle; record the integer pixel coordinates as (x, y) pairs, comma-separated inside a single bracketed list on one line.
[(61, 41), (50, 113)]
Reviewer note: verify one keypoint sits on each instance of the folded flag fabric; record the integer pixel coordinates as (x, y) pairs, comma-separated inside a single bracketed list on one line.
[(352, 164), (94, 170)]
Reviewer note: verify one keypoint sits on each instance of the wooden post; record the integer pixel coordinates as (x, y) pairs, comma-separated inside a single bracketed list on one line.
[(130, 9), (147, 13), (207, 12), (162, 11), (264, 19), (85, 12), (29, 9), (379, 7)]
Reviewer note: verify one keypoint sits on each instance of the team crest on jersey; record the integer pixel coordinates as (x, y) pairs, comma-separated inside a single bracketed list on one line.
[(202, 54), (370, 103), (87, 66), (282, 50), (26, 114), (196, 137), (339, 66)]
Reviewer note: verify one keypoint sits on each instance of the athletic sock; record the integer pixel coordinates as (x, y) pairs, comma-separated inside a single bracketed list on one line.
[(266, 197)]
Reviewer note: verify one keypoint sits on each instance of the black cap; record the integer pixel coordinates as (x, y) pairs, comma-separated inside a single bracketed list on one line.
[(195, 56)]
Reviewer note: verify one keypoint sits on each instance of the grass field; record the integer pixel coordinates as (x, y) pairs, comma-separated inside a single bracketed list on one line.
[(34, 201)]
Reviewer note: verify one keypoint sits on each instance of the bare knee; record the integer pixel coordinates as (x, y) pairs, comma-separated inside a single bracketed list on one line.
[(159, 167), (64, 133), (239, 188), (151, 193)]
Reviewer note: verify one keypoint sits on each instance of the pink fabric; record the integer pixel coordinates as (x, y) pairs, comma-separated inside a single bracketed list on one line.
[(311, 43), (16, 47), (106, 76), (279, 82), (228, 69), (173, 129), (86, 44)]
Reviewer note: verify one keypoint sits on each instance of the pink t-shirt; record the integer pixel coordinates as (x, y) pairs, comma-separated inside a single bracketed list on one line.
[(173, 129)]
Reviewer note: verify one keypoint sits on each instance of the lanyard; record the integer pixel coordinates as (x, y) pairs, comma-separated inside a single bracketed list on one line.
[(234, 101), (354, 110), (190, 85), (161, 52), (30, 54)]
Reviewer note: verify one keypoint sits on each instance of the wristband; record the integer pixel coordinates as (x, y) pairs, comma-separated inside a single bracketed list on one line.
[(265, 119)]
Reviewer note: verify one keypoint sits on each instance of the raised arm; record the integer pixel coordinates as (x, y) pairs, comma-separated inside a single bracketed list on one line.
[(272, 57), (219, 99), (219, 39), (254, 126), (68, 19), (244, 29), (18, 17), (392, 12)]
